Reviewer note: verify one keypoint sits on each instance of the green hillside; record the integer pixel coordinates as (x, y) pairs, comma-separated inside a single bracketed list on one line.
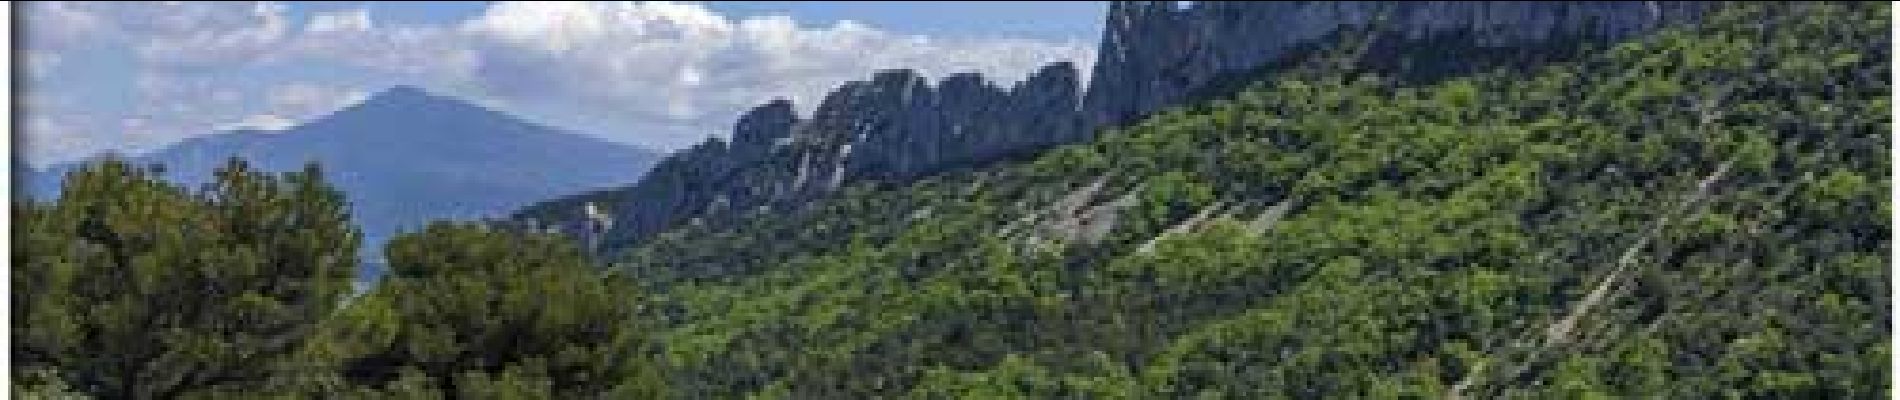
[(1700, 213)]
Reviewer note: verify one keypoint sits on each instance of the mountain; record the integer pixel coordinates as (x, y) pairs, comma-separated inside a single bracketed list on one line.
[(405, 156), (897, 126), (1156, 54), (1698, 212)]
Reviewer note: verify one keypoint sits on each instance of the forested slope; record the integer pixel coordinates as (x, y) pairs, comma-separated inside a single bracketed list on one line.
[(1698, 213)]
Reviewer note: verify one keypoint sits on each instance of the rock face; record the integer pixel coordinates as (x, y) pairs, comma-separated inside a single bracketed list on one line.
[(1155, 53), (895, 126), (762, 128), (898, 126)]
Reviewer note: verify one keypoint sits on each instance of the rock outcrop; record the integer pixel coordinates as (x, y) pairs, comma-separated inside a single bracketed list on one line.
[(766, 126), (894, 126), (897, 126), (1155, 53)]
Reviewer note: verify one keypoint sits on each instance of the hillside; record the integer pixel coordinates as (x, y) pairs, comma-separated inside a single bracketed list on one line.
[(898, 126), (1693, 213), (406, 157)]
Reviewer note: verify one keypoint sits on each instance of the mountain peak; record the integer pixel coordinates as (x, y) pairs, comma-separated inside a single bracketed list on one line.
[(411, 102), (402, 94)]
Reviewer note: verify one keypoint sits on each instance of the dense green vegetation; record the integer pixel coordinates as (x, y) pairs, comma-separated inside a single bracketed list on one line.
[(1699, 213), (129, 287), (133, 288)]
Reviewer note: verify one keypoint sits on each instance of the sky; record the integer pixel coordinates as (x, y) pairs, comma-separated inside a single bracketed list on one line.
[(101, 77)]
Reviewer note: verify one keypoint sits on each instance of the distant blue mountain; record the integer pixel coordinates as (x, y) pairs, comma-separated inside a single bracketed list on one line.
[(405, 157)]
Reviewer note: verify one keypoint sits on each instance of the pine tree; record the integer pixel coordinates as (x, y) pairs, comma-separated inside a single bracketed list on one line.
[(472, 312), (130, 287)]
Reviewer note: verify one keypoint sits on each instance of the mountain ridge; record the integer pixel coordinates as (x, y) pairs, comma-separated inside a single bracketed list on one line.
[(1683, 215), (897, 126), (406, 156)]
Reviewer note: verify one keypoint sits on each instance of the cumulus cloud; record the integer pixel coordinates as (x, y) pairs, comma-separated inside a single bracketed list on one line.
[(261, 122), (61, 23), (49, 132), (177, 34), (53, 137), (209, 35), (683, 66), (661, 74), (153, 74), (288, 104), (39, 63), (353, 20), (306, 99)]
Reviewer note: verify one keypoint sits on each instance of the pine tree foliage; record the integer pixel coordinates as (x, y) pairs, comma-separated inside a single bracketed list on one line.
[(128, 287), (472, 312)]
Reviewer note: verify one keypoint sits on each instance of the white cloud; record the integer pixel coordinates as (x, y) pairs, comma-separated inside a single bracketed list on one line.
[(263, 122), (176, 56), (662, 74), (303, 100), (53, 138), (40, 63), (355, 20), (177, 34), (683, 66), (289, 104), (60, 23)]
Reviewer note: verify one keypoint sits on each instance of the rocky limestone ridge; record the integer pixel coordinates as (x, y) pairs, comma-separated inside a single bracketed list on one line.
[(897, 126), (1155, 53)]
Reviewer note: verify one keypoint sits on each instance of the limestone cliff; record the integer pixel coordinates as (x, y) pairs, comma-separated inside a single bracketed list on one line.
[(897, 125)]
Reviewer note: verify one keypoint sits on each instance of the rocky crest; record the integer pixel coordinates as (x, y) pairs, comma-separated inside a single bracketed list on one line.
[(1154, 53), (897, 126), (894, 126)]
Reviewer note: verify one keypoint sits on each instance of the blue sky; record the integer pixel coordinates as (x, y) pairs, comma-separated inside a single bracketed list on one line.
[(1056, 20), (119, 77)]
